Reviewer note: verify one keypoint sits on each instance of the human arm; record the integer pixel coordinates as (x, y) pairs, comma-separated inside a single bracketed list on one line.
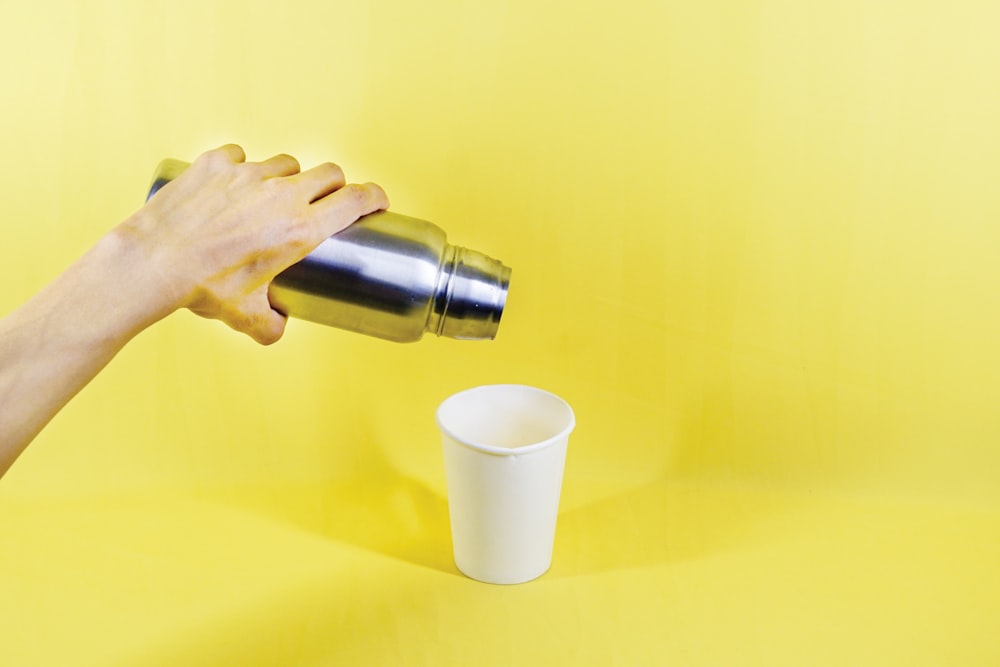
[(210, 241)]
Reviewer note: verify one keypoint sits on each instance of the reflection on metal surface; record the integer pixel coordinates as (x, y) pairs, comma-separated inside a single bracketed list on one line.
[(389, 276)]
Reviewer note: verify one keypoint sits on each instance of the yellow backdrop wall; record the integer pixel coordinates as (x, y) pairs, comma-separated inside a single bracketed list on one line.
[(753, 243)]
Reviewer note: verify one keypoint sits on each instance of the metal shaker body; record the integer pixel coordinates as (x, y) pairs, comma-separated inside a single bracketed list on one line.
[(390, 276)]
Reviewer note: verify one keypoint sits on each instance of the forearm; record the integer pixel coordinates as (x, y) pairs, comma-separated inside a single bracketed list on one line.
[(54, 344), (210, 241)]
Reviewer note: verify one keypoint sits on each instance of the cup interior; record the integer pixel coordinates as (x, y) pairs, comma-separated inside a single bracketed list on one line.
[(500, 418)]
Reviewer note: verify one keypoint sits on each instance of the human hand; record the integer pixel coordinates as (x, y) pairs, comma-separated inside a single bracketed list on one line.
[(218, 234)]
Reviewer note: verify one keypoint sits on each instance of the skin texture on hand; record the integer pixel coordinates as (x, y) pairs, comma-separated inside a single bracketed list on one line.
[(225, 228), (210, 241)]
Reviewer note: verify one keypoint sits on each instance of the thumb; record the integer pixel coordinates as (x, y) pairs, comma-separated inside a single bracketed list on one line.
[(268, 327), (259, 320)]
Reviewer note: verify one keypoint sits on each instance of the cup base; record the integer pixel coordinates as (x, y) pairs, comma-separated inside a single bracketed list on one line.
[(508, 580)]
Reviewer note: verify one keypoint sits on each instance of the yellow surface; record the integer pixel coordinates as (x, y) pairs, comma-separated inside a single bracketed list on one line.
[(754, 245)]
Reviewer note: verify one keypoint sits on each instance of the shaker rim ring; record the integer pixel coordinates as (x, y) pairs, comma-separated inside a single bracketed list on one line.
[(508, 451)]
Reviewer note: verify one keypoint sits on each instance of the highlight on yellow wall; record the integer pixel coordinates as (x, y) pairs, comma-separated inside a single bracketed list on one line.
[(753, 245)]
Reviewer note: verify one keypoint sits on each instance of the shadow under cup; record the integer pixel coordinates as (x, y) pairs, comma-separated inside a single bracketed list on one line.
[(504, 454)]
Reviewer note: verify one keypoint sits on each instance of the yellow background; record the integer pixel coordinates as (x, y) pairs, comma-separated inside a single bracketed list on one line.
[(754, 244)]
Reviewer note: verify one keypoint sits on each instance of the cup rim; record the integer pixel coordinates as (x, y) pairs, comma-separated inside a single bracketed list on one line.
[(507, 451)]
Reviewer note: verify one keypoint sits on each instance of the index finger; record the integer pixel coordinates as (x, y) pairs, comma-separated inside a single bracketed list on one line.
[(232, 152)]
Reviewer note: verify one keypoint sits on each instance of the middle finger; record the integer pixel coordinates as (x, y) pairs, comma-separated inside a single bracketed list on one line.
[(319, 181), (279, 165)]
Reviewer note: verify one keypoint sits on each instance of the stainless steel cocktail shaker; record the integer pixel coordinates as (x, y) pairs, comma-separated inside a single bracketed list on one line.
[(389, 276)]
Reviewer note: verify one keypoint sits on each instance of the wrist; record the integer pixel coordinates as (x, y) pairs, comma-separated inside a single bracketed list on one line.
[(148, 285)]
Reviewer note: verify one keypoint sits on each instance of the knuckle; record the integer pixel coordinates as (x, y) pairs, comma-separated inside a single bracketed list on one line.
[(378, 195), (357, 193), (270, 186), (208, 158), (333, 171), (290, 163), (216, 156), (300, 238)]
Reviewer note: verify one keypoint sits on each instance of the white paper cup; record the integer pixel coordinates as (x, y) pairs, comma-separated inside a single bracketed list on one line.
[(504, 453)]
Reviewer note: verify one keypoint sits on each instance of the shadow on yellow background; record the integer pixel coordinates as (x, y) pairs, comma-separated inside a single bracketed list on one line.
[(753, 244)]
